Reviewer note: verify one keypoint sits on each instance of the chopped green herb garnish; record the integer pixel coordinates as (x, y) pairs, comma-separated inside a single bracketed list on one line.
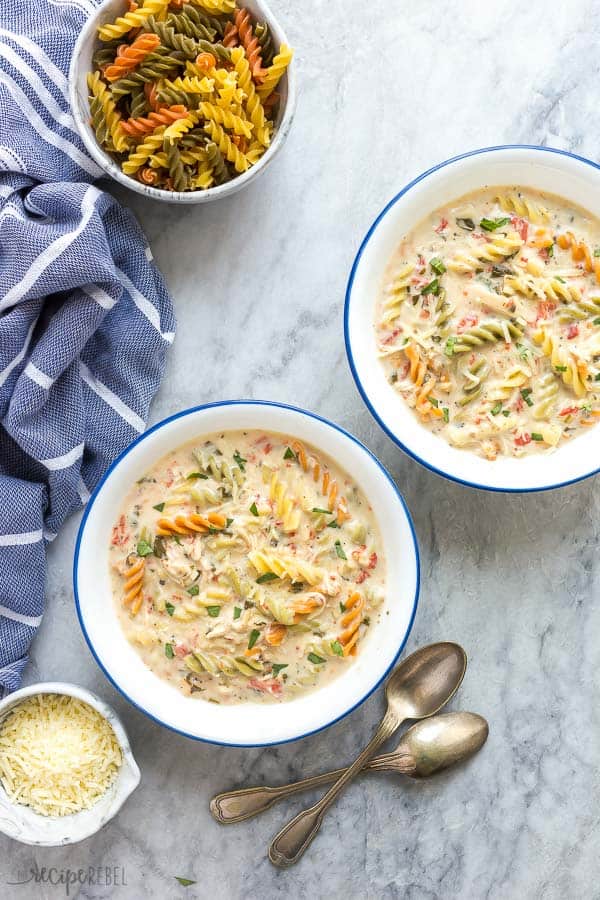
[(184, 882), (434, 401), (236, 612), (446, 414), (562, 280), (342, 608), (317, 660), (523, 351), (337, 648), (597, 376), (169, 652), (437, 265), (240, 461), (597, 251), (550, 250), (326, 512), (340, 550), (333, 524), (432, 288), (506, 413), (193, 475), (596, 321), (213, 611), (254, 636), (536, 437), (144, 548), (467, 224), (561, 368), (267, 576), (289, 454), (496, 408), (254, 510), (194, 590), (159, 507), (228, 523), (159, 546), (277, 667), (493, 224), (525, 392), (449, 348), (170, 608)]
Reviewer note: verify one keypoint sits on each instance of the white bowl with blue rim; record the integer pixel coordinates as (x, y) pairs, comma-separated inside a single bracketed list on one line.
[(21, 823), (247, 724), (81, 64), (542, 168)]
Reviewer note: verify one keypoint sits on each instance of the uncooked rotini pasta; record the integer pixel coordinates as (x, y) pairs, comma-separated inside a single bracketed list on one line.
[(240, 573), (171, 59), (488, 321)]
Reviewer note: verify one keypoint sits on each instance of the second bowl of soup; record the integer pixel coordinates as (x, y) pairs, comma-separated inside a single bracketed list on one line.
[(473, 319)]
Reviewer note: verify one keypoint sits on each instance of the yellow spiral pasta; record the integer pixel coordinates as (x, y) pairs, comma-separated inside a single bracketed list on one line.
[(492, 251), (226, 146), (520, 205), (285, 504), (130, 20), (215, 6), (573, 371), (275, 71), (139, 156), (253, 105), (225, 118), (112, 117), (285, 566)]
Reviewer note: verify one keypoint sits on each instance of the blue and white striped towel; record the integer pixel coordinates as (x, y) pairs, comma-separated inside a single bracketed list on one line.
[(85, 318)]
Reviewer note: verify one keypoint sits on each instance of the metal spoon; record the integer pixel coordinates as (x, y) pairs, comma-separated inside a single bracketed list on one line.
[(425, 749), (418, 688)]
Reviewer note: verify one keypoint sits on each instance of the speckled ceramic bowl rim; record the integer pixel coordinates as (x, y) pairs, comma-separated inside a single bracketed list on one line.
[(126, 782), (412, 567), (110, 167), (553, 479)]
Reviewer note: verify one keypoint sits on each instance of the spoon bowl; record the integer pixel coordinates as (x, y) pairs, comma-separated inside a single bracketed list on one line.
[(422, 684)]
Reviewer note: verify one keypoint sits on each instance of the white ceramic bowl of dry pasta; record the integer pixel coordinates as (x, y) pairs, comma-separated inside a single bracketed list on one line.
[(185, 102), (66, 766), (236, 583), (472, 318)]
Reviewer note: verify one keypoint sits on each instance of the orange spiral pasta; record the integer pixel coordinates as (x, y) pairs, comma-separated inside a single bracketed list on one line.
[(275, 634), (193, 524), (423, 405), (230, 35), (133, 585), (130, 55), (250, 44), (206, 61), (151, 92), (580, 252), (417, 367), (351, 621), (147, 175), (329, 486), (307, 605), (148, 124)]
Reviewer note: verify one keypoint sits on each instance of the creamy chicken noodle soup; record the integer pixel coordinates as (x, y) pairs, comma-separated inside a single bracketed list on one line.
[(247, 566), (488, 324)]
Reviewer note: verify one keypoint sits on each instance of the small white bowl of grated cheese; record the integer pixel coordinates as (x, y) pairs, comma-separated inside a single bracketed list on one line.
[(66, 766)]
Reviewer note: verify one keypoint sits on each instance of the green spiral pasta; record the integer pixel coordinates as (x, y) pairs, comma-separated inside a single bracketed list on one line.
[(475, 375), (546, 394), (265, 39), (217, 162), (487, 332), (189, 22), (583, 308), (172, 39), (138, 104), (175, 165)]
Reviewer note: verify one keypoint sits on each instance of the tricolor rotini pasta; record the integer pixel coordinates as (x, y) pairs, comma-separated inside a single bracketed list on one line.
[(488, 322), (206, 62), (247, 566)]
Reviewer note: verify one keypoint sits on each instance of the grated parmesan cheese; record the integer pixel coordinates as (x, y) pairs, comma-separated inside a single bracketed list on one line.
[(58, 755)]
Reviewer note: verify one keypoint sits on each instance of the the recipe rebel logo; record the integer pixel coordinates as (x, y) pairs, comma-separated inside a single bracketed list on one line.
[(72, 879)]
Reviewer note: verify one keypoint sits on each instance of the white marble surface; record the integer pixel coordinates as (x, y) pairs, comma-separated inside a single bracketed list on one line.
[(387, 89)]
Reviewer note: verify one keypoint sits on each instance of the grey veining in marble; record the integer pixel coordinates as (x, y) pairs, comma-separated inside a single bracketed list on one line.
[(386, 90)]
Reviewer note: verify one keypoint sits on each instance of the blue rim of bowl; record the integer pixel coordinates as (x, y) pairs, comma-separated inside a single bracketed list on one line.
[(359, 385), (304, 412)]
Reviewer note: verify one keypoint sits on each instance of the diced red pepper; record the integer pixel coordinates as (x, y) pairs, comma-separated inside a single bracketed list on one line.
[(569, 411), (544, 309), (372, 560), (181, 650), (573, 331), (442, 226), (271, 686), (120, 535), (362, 576), (467, 322), (521, 226), (267, 448), (394, 334), (523, 440)]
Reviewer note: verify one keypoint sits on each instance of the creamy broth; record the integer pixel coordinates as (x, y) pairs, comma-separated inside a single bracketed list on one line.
[(488, 324), (247, 566)]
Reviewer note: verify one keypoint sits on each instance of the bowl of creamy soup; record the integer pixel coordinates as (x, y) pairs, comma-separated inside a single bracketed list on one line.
[(246, 573), (472, 318)]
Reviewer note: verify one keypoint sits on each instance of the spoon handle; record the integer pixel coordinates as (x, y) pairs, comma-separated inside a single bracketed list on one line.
[(291, 842), (237, 806)]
